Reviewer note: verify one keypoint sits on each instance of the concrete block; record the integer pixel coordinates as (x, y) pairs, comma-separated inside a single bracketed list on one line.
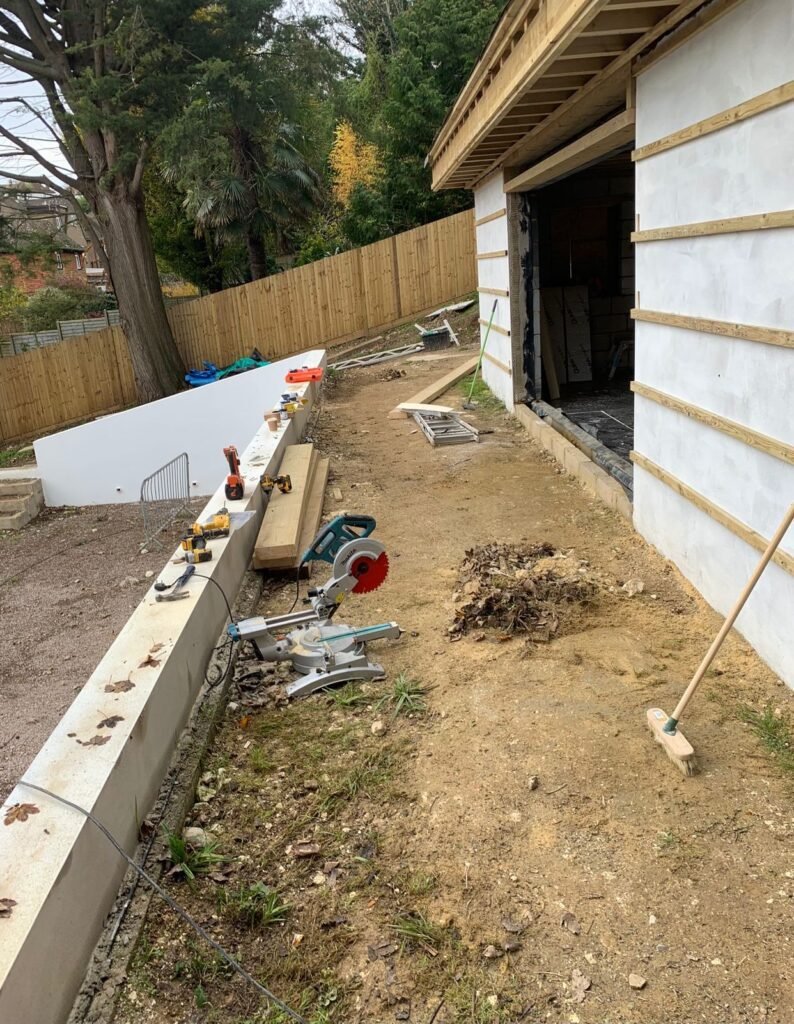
[(10, 486), (588, 476), (15, 520), (572, 459)]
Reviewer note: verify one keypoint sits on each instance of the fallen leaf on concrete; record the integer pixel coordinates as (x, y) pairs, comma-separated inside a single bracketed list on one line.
[(122, 686), (569, 921), (6, 906), (155, 648), (110, 723), (19, 812), (149, 662), (580, 984), (95, 741)]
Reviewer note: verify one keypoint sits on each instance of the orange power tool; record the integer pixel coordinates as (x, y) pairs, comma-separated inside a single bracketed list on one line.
[(235, 486)]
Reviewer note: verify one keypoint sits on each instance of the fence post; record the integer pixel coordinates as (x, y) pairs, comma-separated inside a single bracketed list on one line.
[(60, 331)]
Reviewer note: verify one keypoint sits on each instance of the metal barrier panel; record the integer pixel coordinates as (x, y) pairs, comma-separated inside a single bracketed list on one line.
[(165, 495)]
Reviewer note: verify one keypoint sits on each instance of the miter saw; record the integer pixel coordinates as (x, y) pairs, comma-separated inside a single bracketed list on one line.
[(322, 651)]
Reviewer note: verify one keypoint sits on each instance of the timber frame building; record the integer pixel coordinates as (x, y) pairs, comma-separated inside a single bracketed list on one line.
[(632, 163)]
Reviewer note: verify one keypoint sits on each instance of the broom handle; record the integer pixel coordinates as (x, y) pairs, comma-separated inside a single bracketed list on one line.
[(482, 351), (733, 614)]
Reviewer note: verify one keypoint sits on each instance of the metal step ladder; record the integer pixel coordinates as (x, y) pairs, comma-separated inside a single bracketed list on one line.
[(445, 428)]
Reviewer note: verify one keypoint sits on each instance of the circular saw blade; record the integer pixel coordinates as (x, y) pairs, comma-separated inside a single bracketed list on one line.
[(370, 572)]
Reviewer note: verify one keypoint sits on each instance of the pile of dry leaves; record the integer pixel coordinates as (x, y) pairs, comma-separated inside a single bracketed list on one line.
[(528, 589)]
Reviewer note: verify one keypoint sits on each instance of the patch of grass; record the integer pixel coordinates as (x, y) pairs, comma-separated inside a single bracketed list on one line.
[(189, 862), (259, 760), (10, 456), (413, 929), (348, 696), (256, 905), (200, 968), (372, 772), (407, 697), (774, 732), (481, 394), (419, 884), (667, 841), (201, 997)]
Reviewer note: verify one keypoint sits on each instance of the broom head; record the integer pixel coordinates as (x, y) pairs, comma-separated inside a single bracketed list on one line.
[(676, 745)]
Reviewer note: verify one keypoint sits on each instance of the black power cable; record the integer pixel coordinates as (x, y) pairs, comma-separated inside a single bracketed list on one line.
[(234, 964)]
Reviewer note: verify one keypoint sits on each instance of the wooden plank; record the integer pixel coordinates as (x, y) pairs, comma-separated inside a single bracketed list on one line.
[(280, 532), (311, 520), (496, 254), (753, 438), (503, 292), (496, 328), (496, 215), (598, 143), (725, 226), (721, 328), (498, 363), (719, 515), (428, 394), (776, 97)]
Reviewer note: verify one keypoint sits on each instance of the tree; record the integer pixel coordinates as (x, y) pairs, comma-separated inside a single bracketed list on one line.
[(45, 307), (353, 162), (238, 152), (114, 72)]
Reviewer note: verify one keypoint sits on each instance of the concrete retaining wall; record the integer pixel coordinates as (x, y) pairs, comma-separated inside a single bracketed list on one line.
[(60, 870)]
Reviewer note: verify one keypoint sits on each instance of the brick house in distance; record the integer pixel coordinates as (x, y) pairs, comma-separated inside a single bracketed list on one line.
[(68, 257)]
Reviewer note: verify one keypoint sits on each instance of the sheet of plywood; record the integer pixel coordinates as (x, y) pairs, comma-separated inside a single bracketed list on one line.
[(432, 391), (311, 520), (280, 533)]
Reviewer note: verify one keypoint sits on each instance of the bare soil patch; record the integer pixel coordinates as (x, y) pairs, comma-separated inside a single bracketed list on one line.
[(514, 846), (68, 582)]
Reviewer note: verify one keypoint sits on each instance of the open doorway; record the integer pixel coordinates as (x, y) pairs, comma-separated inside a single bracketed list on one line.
[(582, 291)]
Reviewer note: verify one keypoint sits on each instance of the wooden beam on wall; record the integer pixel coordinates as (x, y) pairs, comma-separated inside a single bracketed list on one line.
[(741, 112), (617, 132), (739, 432), (491, 216), (496, 328), (498, 363), (721, 328), (501, 292), (719, 515), (495, 255), (726, 226)]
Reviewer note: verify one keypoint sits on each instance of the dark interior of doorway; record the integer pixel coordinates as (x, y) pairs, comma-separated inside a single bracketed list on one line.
[(583, 291)]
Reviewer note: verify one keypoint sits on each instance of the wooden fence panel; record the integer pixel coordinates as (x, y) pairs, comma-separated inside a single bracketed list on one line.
[(323, 303)]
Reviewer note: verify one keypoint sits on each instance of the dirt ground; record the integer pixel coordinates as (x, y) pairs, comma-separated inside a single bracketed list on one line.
[(506, 842), (68, 583)]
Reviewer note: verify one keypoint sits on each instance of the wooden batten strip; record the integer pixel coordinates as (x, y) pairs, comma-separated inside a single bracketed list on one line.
[(501, 292), (726, 226), (741, 112), (753, 438), (498, 363), (719, 515), (720, 328), (496, 328), (492, 255), (496, 215)]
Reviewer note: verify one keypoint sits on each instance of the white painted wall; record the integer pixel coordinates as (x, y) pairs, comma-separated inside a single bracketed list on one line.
[(744, 278), (494, 273), (59, 868), (105, 462)]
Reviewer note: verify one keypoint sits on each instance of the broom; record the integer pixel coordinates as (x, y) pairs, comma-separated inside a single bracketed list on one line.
[(468, 404), (665, 729)]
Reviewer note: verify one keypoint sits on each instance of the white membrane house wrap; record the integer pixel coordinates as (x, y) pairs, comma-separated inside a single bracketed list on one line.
[(105, 461), (60, 870), (714, 431), (493, 280)]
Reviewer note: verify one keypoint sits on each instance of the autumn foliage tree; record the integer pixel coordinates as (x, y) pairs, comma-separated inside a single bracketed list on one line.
[(353, 162)]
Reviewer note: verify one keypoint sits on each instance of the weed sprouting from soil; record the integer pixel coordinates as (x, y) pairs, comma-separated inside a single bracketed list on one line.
[(372, 772), (255, 905), (189, 862), (348, 696), (481, 394), (407, 697), (774, 732), (413, 929)]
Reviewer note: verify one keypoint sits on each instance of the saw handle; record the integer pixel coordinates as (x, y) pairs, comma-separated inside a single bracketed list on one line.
[(339, 531)]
